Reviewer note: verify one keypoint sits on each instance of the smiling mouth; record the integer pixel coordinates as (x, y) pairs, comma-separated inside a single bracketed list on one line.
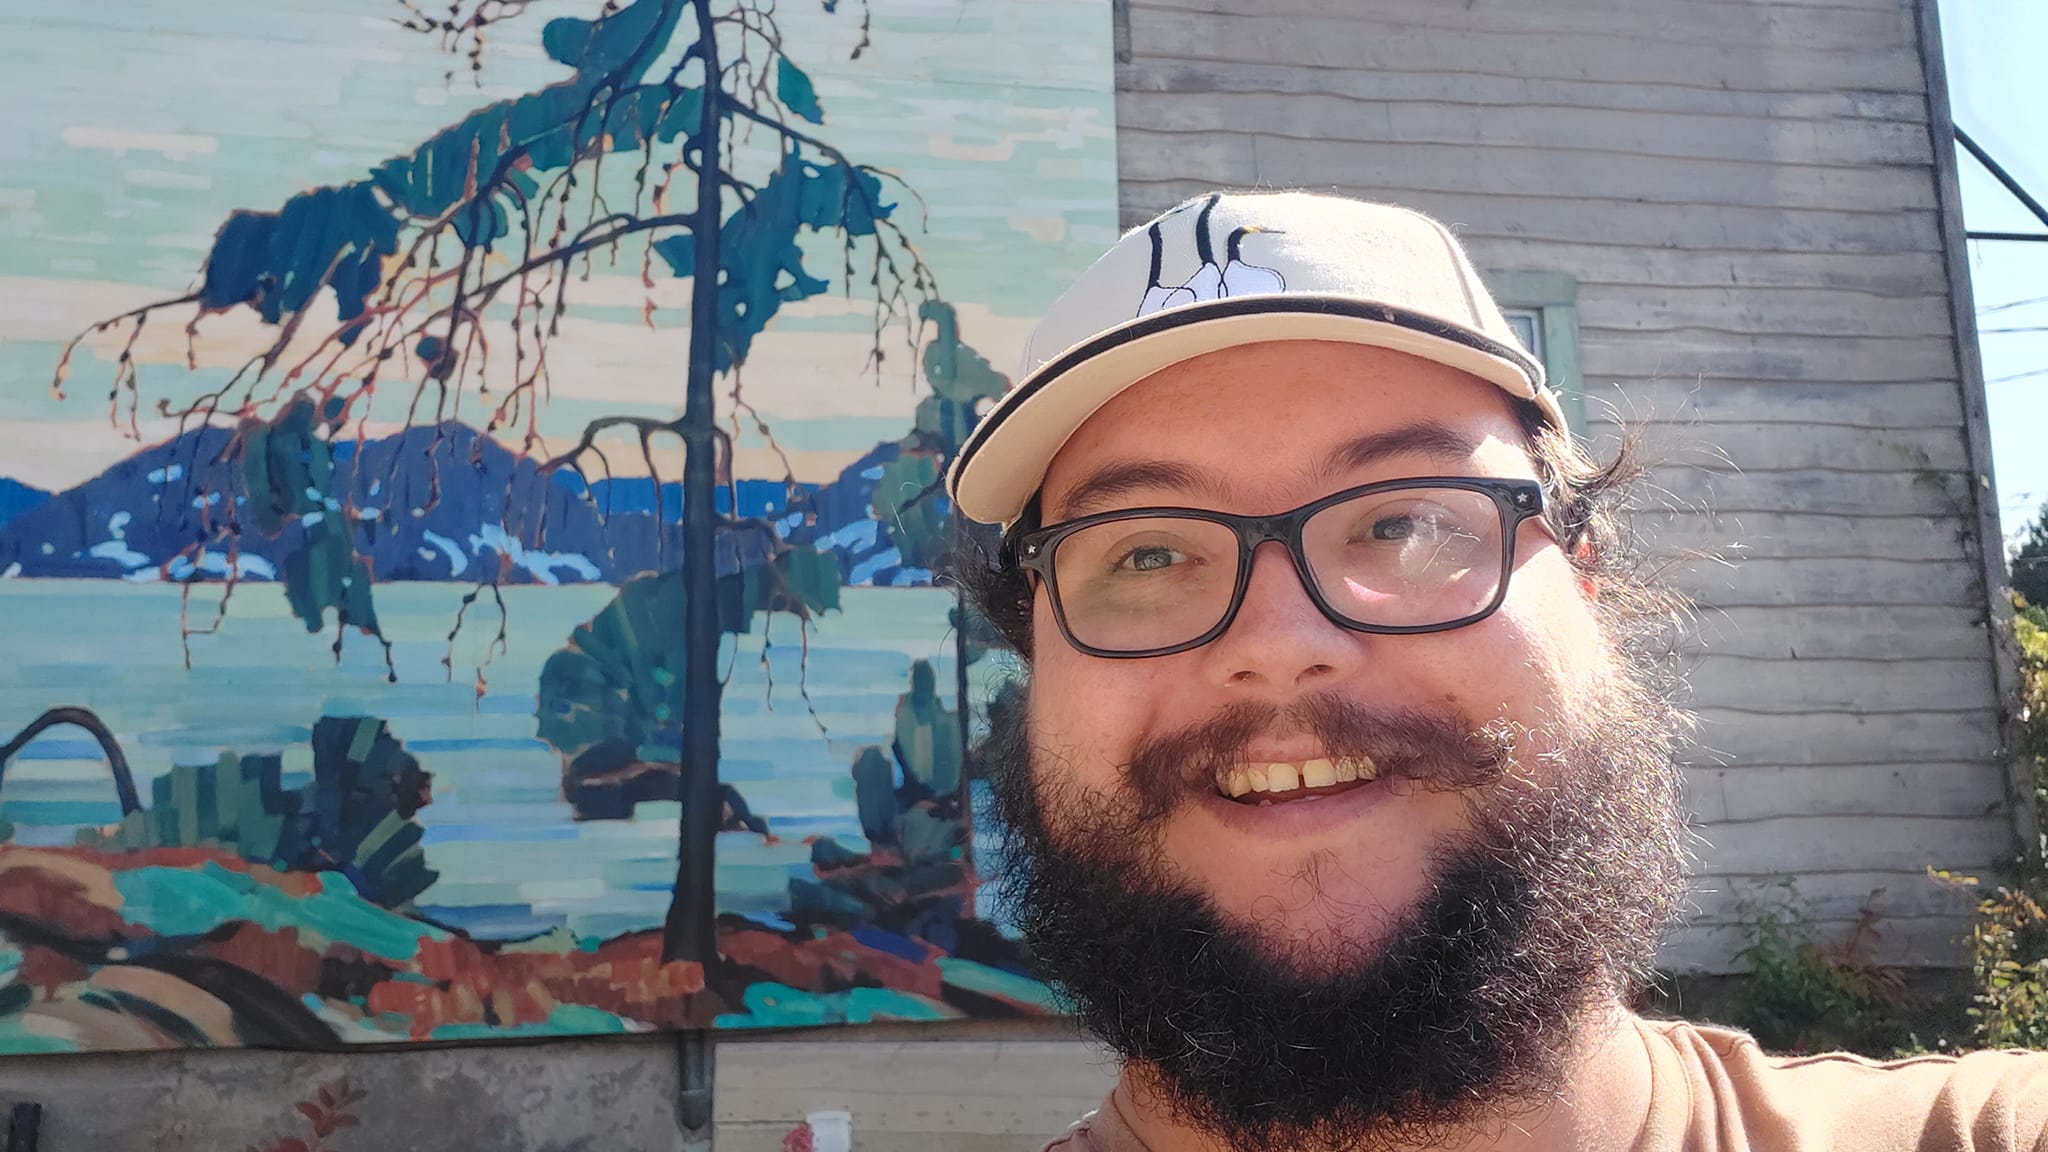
[(1263, 782)]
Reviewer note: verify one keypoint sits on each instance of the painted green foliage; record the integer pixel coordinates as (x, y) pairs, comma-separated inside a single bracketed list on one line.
[(874, 795), (618, 684), (962, 382), (480, 179), (907, 496), (927, 746), (355, 817), (906, 500), (474, 173), (761, 267), (927, 733), (287, 471), (794, 89), (621, 677)]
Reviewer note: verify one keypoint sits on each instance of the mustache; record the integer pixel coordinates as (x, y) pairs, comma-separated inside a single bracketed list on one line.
[(1440, 750)]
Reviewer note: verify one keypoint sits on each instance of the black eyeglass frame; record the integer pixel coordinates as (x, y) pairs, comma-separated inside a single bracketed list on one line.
[(1516, 501)]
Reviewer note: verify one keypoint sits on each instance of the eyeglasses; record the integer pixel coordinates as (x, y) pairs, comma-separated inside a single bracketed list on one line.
[(1426, 554)]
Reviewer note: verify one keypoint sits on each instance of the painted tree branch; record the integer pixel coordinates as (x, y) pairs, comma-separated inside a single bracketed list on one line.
[(86, 719)]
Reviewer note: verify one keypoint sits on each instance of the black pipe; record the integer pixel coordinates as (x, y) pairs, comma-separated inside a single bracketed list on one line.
[(697, 1062), (2037, 236), (24, 1127), (117, 761), (2003, 177)]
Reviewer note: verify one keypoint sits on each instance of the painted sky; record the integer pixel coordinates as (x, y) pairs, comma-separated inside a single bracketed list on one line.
[(134, 128)]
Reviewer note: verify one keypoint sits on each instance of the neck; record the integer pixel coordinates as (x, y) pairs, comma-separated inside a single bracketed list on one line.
[(1601, 1106)]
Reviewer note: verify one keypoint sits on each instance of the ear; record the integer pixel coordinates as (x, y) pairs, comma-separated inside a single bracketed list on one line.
[(1584, 557)]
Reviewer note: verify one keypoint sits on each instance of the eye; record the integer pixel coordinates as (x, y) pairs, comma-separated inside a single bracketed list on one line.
[(1150, 558), (1393, 528)]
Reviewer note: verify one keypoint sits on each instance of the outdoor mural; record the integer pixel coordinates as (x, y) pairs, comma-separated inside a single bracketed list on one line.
[(429, 612)]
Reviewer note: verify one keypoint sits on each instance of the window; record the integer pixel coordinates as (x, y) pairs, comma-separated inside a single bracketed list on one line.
[(1543, 309), (1528, 326)]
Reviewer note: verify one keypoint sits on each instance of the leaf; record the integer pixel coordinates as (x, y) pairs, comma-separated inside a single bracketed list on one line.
[(761, 264), (621, 676), (277, 262), (612, 43), (795, 91), (909, 503), (311, 1110)]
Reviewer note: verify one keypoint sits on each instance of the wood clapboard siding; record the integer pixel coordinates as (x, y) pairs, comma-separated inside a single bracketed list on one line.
[(1846, 447), (1745, 192), (1921, 788), (1805, 404), (1839, 632), (1660, 151), (1484, 92), (1917, 735), (1827, 55)]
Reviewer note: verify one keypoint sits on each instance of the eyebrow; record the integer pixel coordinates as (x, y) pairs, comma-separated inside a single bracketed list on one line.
[(1422, 438), (1118, 478)]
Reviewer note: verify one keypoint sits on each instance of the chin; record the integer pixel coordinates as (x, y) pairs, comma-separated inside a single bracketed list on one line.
[(1315, 925)]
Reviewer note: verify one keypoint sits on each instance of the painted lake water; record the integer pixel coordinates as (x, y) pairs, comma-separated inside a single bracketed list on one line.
[(512, 860)]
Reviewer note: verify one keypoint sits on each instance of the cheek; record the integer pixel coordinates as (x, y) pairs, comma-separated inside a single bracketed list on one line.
[(1544, 646), (1084, 712)]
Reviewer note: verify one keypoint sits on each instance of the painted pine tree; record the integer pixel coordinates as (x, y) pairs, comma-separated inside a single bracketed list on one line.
[(408, 279)]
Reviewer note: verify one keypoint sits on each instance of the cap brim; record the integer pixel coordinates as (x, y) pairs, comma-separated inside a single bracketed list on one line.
[(1004, 461)]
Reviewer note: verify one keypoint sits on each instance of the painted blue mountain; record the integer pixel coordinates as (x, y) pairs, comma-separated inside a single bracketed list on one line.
[(839, 518), (759, 499), (17, 498), (433, 503)]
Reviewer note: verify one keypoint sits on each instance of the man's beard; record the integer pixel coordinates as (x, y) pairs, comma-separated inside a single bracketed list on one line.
[(1467, 1007)]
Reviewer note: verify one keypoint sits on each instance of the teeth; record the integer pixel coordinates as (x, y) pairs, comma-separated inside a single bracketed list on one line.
[(1360, 767), (1266, 776)]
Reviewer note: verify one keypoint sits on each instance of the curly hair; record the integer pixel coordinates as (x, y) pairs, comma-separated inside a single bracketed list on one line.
[(1585, 503)]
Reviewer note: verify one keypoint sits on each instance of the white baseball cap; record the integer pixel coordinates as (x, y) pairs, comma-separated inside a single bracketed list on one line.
[(1228, 269)]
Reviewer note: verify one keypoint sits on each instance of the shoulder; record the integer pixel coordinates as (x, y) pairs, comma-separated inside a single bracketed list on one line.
[(1980, 1102)]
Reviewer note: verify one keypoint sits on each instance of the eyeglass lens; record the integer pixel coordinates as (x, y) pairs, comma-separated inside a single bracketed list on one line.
[(1410, 557)]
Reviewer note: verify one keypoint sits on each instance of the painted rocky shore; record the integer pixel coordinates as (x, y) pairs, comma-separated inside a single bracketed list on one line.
[(233, 909)]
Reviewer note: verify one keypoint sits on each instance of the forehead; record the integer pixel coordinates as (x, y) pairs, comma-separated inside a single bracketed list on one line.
[(1264, 420)]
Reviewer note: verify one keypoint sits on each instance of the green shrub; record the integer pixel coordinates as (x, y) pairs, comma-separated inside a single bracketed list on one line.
[(1803, 995), (2009, 935), (2030, 637), (2008, 968)]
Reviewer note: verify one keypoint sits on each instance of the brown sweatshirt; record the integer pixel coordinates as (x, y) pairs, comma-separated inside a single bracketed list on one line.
[(1714, 1090)]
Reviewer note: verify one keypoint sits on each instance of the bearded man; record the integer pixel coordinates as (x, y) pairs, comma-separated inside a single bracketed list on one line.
[(1344, 805)]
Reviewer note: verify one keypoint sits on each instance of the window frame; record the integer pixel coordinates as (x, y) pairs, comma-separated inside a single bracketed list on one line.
[(1554, 297)]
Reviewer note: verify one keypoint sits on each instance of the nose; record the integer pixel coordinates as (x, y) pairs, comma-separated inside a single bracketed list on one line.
[(1280, 640)]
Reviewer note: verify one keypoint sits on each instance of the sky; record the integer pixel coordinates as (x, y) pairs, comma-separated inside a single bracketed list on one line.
[(1998, 92), (135, 127)]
